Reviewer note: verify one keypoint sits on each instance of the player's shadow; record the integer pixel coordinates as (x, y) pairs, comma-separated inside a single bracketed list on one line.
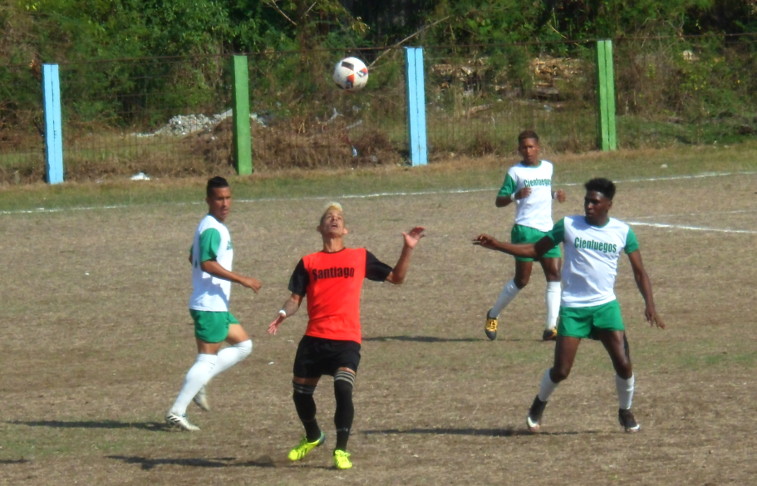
[(93, 424), (147, 464), (420, 339), (504, 432)]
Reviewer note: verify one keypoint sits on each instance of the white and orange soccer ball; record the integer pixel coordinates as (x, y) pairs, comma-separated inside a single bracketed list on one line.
[(351, 74)]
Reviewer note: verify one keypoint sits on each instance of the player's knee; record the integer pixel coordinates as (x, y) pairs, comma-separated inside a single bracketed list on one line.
[(344, 382), (558, 373), (302, 390), (245, 348), (521, 282)]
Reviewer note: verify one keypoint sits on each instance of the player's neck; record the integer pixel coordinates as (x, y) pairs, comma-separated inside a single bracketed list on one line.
[(333, 245)]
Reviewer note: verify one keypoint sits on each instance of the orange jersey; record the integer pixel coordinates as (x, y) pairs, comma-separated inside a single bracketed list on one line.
[(332, 283)]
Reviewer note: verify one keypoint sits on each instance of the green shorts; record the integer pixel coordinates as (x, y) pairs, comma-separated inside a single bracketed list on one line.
[(524, 234), (212, 327), (581, 322)]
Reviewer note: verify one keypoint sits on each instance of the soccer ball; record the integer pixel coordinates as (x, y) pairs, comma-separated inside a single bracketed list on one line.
[(350, 74)]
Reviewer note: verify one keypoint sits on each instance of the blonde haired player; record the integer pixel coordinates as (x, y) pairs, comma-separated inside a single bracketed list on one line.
[(331, 280)]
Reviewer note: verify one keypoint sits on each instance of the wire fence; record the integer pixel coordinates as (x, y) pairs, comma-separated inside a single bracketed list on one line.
[(171, 117)]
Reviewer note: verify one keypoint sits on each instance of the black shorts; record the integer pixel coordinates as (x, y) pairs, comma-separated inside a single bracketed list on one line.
[(318, 356)]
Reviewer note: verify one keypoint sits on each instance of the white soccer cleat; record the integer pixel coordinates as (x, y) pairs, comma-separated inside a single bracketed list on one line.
[(181, 422), (201, 400)]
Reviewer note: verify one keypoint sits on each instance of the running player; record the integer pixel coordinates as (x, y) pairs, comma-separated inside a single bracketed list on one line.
[(593, 244), (528, 185)]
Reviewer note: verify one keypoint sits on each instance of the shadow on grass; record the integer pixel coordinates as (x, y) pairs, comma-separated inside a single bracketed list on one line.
[(506, 432), (421, 339), (147, 463), (94, 424)]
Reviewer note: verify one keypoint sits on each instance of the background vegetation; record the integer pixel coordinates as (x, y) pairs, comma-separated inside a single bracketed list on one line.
[(685, 72)]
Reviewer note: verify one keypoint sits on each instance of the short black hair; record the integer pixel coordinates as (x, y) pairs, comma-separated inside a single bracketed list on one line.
[(527, 134), (600, 184), (216, 182)]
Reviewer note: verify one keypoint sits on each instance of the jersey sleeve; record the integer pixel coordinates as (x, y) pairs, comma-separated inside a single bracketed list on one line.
[(375, 269), (298, 282), (557, 233), (509, 185), (632, 244), (210, 242)]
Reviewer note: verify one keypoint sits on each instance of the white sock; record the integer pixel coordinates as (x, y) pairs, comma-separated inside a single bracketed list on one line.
[(552, 299), (198, 375), (546, 387), (232, 355), (508, 293), (625, 391)]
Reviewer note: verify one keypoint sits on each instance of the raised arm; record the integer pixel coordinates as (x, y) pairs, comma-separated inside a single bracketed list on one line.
[(411, 239), (645, 288), (529, 250)]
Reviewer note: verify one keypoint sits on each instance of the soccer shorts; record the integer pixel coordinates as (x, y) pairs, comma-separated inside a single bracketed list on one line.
[(212, 327), (524, 234), (318, 356), (581, 322)]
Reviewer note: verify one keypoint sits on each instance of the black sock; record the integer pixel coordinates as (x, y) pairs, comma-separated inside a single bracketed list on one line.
[(306, 409), (345, 412)]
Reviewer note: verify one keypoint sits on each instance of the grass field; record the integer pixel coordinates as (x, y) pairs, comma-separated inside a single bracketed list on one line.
[(96, 337)]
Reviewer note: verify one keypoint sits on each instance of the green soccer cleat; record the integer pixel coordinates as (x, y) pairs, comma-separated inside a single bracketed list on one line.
[(342, 459), (304, 448)]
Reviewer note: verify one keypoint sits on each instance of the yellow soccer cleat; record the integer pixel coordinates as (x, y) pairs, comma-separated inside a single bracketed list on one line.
[(491, 327), (304, 448), (342, 459)]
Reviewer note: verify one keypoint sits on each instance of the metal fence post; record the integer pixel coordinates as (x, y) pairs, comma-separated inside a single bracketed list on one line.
[(416, 105), (53, 124), (606, 134), (241, 109)]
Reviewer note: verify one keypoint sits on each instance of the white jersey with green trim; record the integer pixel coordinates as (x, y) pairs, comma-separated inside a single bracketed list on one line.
[(591, 258), (212, 241), (534, 211)]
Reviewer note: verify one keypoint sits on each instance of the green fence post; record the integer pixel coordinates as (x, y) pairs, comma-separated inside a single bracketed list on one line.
[(241, 109), (606, 134)]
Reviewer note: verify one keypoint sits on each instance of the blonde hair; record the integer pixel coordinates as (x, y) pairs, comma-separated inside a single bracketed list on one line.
[(329, 207)]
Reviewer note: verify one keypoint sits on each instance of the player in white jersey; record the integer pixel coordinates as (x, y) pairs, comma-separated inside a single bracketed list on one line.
[(528, 185), (593, 245), (211, 258)]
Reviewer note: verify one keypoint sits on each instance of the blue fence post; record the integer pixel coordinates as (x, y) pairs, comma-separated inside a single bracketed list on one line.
[(416, 105), (53, 124)]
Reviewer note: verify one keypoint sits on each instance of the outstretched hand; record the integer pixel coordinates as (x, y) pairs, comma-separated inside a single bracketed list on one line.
[(413, 236), (486, 241), (274, 325)]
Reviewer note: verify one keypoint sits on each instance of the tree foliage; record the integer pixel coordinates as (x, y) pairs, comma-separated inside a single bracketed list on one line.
[(207, 31)]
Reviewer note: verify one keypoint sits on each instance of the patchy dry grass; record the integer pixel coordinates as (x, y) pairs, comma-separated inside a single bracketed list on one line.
[(97, 339)]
